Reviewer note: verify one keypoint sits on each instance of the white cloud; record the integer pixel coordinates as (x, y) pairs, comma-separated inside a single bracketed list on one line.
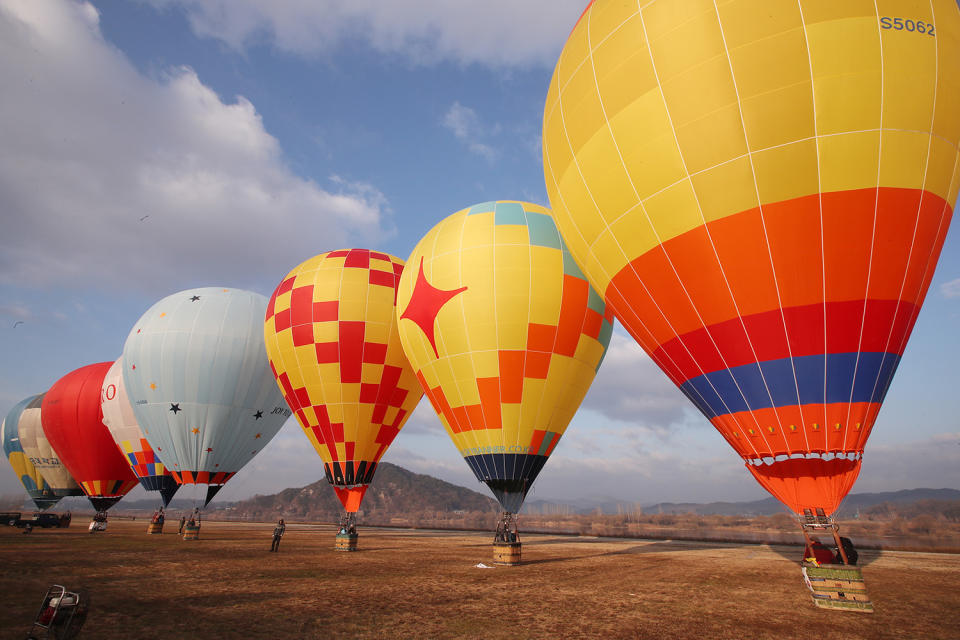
[(108, 177), (500, 33), (466, 127), (630, 388), (950, 289), (18, 312), (930, 463)]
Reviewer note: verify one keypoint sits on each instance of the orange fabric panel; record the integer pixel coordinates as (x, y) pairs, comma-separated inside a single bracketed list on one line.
[(576, 292), (351, 498), (808, 483), (540, 337), (741, 244), (511, 376), (537, 365), (793, 229), (489, 389), (814, 429)]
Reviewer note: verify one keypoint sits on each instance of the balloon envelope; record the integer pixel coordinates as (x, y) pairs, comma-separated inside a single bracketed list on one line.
[(127, 434), (73, 422), (24, 411), (761, 194), (41, 454), (505, 335), (197, 377), (332, 340)]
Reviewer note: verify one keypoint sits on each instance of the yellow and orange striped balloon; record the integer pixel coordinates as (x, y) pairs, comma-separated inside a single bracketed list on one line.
[(760, 190)]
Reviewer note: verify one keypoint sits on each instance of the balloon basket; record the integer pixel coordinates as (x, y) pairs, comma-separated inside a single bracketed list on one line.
[(837, 586), (191, 532), (99, 523), (506, 553), (346, 542), (155, 528)]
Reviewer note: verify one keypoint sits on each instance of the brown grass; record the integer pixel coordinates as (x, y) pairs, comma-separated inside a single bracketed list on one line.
[(422, 584)]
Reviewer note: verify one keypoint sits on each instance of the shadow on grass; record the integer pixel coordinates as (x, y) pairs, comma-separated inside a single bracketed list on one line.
[(795, 553)]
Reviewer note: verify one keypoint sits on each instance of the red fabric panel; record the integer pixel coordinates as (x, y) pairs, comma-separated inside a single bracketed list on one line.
[(351, 350), (73, 423)]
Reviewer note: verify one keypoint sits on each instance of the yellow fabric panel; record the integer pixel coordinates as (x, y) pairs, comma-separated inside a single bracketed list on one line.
[(611, 192), (787, 172), (903, 158), (845, 58), (724, 190), (681, 39), (773, 82), (849, 161), (947, 121), (647, 145), (909, 73), (545, 297), (625, 69), (282, 302), (723, 127), (674, 211)]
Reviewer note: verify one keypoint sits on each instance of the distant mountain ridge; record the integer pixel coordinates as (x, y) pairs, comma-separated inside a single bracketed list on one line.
[(394, 492), (768, 506), (397, 493)]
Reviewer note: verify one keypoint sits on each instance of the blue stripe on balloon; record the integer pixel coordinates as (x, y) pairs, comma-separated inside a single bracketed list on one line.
[(717, 392)]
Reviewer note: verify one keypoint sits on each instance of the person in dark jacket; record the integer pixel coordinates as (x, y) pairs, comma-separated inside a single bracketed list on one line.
[(277, 534)]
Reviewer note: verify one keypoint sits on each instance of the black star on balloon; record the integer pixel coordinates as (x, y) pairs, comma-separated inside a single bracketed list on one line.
[(258, 415), (194, 298), (175, 408)]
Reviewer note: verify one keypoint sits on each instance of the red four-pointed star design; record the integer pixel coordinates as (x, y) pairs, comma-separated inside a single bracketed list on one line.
[(425, 303)]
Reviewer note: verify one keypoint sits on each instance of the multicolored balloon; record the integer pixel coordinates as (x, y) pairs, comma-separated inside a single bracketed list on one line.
[(26, 410), (761, 193), (332, 340), (73, 423), (38, 450), (198, 380), (505, 335), (129, 437)]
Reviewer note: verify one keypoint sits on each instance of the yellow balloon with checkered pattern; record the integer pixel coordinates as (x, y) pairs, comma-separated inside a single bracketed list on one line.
[(332, 341), (505, 335)]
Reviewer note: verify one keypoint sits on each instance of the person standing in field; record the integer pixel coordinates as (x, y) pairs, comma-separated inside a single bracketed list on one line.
[(277, 534), (183, 521)]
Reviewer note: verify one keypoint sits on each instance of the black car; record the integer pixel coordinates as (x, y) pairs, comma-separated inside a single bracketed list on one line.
[(45, 520), (9, 518)]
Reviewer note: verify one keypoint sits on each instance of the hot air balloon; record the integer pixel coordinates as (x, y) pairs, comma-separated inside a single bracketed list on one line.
[(73, 423), (199, 383), (41, 454), (129, 437), (39, 491), (505, 335), (761, 192), (332, 340)]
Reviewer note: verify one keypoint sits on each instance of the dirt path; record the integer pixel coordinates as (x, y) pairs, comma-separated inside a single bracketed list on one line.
[(406, 584)]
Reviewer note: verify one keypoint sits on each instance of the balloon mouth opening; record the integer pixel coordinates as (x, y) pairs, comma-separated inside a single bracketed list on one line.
[(101, 503), (825, 456)]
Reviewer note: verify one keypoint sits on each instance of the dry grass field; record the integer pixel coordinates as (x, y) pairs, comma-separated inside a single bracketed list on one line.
[(424, 584)]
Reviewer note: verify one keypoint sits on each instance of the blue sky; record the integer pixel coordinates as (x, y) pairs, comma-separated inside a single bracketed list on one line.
[(253, 135)]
